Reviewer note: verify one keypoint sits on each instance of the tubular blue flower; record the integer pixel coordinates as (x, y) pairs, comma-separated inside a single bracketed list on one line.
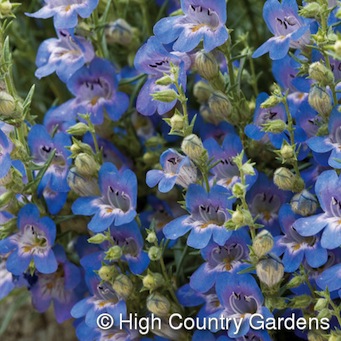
[(294, 246), (331, 279), (220, 259), (202, 20), (58, 119), (64, 12), (42, 145), (5, 159), (177, 169), (226, 172), (129, 238), (208, 214), (64, 55), (95, 88), (155, 61), (328, 191), (33, 242), (117, 203), (263, 116), (240, 299), (288, 28), (265, 200), (329, 145), (58, 287)]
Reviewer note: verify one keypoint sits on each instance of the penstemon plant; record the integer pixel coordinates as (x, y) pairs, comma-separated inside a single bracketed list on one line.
[(170, 170)]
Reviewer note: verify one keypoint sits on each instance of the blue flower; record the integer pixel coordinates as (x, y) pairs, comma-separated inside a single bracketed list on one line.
[(265, 200), (226, 172), (202, 20), (129, 238), (328, 191), (331, 279), (33, 242), (58, 287), (263, 116), (208, 214), (177, 169), (5, 159), (64, 55), (329, 145), (295, 247), (288, 28), (240, 299), (154, 60), (95, 88), (117, 203), (64, 12), (220, 259)]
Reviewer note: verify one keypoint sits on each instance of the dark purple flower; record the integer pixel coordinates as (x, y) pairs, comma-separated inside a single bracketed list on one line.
[(202, 20), (208, 214), (117, 203), (95, 88), (328, 191), (58, 287), (64, 12), (288, 28), (33, 242), (64, 55), (294, 246), (177, 169)]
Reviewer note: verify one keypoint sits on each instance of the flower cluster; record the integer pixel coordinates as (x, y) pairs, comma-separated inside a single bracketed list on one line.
[(155, 168)]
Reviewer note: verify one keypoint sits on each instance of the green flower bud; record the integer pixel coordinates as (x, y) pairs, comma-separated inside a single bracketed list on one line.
[(270, 271), (158, 304), (238, 218), (153, 280), (123, 286), (165, 96), (114, 253), (271, 102), (263, 243), (79, 147), (154, 253), (7, 104), (86, 165), (320, 100), (208, 116), (295, 282), (78, 129), (248, 169), (274, 126), (313, 336), (301, 302), (177, 122), (98, 238), (310, 10), (82, 185), (220, 106), (287, 152), (107, 273), (304, 203), (337, 48), (206, 65), (325, 313), (238, 190), (192, 146), (202, 91), (165, 80), (335, 335), (151, 237), (5, 8), (119, 32), (321, 303), (319, 73), (6, 198), (287, 181)]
